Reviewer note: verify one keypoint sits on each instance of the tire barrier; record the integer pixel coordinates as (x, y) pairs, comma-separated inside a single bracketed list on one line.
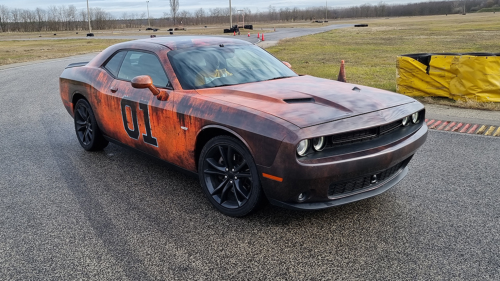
[(235, 28), (474, 76)]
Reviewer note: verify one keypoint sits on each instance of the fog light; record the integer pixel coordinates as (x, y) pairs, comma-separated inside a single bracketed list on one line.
[(414, 118), (406, 120), (302, 197)]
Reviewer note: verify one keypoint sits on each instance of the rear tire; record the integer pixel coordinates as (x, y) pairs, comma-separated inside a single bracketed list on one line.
[(87, 131), (229, 177)]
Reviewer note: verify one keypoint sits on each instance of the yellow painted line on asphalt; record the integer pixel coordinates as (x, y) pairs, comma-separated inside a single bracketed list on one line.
[(497, 133), (481, 130), (490, 130)]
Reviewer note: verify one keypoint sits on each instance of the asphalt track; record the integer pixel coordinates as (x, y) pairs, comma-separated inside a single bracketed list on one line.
[(67, 214)]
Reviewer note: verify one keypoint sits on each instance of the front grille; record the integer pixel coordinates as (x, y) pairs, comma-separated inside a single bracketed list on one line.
[(365, 182), (362, 135), (385, 129), (351, 137)]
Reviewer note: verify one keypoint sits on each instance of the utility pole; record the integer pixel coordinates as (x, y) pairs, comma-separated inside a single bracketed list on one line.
[(230, 15), (464, 6), (147, 5), (326, 11), (88, 16)]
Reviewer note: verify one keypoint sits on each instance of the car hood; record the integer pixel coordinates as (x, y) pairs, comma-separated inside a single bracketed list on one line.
[(307, 101)]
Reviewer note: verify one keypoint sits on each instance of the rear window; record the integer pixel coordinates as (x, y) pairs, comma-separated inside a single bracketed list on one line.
[(138, 63), (113, 65)]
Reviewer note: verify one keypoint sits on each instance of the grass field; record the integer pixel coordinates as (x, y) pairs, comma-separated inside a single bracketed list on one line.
[(30, 50), (370, 52)]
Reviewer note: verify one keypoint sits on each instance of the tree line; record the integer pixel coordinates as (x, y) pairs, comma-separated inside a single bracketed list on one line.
[(69, 18)]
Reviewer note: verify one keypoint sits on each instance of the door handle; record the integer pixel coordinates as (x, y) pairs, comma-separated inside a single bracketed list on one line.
[(113, 89)]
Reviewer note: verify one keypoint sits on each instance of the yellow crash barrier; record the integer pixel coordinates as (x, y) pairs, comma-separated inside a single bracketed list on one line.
[(453, 76)]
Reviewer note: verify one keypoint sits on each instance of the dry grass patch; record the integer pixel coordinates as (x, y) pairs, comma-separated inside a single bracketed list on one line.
[(30, 50)]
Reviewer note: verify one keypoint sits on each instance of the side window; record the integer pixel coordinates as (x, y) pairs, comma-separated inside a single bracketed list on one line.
[(113, 65), (140, 63)]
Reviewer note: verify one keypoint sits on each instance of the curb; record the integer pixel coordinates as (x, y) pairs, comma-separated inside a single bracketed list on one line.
[(462, 127)]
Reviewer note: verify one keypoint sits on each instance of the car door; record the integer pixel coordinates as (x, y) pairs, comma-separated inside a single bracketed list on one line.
[(132, 116)]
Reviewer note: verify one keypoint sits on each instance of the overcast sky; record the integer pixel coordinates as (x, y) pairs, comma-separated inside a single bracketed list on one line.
[(157, 7)]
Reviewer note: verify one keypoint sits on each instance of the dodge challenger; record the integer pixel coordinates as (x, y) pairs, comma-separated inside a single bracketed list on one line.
[(244, 122)]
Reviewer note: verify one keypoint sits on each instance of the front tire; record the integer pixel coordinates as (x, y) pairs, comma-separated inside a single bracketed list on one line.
[(229, 177), (86, 128)]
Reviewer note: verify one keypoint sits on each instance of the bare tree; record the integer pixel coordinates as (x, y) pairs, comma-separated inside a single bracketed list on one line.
[(40, 18), (174, 8), (199, 14), (4, 18), (184, 16), (71, 17)]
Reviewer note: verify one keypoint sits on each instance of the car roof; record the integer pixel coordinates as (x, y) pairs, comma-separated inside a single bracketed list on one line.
[(182, 42)]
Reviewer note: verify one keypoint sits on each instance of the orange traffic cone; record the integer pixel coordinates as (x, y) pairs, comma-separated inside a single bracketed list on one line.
[(248, 34), (258, 35), (262, 36), (341, 77), (234, 33)]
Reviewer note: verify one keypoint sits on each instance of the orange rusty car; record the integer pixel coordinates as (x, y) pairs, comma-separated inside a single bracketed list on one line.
[(244, 122)]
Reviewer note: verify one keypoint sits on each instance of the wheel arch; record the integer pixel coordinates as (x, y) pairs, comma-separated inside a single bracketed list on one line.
[(211, 131), (76, 96)]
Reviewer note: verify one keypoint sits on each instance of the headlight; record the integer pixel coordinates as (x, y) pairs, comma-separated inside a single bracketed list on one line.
[(318, 143), (302, 147), (414, 118), (406, 120)]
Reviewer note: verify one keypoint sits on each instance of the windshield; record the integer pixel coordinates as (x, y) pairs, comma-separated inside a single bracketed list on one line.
[(208, 67)]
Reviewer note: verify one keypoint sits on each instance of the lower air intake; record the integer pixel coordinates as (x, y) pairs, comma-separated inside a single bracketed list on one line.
[(357, 185)]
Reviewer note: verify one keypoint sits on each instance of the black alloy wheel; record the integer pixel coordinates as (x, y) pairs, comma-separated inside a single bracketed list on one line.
[(87, 130), (228, 176)]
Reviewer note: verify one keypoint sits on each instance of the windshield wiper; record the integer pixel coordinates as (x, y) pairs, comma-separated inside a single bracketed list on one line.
[(222, 85), (276, 78)]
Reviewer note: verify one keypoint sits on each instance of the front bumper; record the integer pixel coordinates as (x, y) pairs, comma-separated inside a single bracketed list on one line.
[(318, 180), (376, 190)]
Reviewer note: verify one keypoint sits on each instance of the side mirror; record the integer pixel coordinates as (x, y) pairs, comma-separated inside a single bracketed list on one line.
[(287, 64), (144, 81)]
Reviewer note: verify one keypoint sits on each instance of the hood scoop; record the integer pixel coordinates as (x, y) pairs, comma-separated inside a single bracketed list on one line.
[(299, 100)]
